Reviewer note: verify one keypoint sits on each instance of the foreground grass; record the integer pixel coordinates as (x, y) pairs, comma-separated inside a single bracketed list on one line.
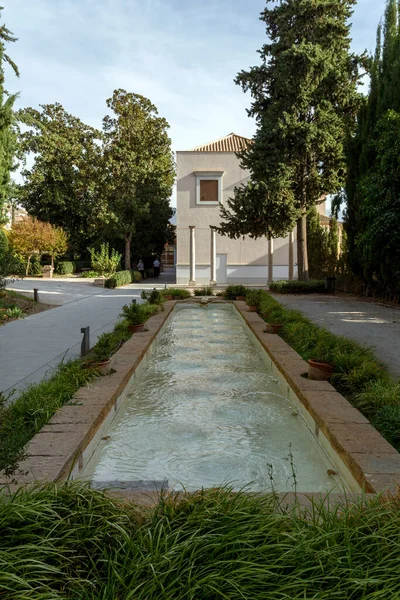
[(75, 543), (358, 374)]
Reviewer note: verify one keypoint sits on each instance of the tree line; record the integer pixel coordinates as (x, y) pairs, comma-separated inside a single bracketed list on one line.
[(110, 185)]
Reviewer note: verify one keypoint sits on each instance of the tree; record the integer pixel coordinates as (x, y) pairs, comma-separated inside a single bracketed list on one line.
[(8, 136), (61, 187), (323, 245), (31, 237), (138, 164), (304, 101), (370, 219)]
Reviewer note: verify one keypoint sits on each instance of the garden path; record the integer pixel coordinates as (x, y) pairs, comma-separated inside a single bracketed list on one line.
[(368, 323)]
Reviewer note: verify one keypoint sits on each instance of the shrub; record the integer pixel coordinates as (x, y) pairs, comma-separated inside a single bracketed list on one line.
[(120, 278), (106, 345), (298, 287), (234, 290), (253, 298), (137, 314), (65, 267), (176, 293), (89, 274), (136, 277), (105, 261), (205, 291), (3, 243), (35, 266), (153, 296)]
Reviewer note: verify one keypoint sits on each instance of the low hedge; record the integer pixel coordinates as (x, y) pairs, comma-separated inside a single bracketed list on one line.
[(232, 291), (123, 278), (358, 375), (65, 267), (298, 287), (176, 293)]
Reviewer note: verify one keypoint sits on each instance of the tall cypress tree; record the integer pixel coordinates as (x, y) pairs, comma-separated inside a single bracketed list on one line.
[(304, 100), (8, 137), (367, 179)]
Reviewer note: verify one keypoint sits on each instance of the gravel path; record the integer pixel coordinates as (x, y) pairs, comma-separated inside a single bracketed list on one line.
[(366, 322)]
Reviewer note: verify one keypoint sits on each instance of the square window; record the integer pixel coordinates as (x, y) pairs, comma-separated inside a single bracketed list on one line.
[(208, 190)]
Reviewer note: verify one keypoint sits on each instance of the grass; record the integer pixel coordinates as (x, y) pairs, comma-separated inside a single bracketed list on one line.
[(22, 418), (70, 542), (358, 375)]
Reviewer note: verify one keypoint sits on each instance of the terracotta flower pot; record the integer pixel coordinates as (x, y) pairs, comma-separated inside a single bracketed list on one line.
[(241, 298), (272, 328), (168, 297), (319, 371), (252, 308), (136, 328), (101, 364)]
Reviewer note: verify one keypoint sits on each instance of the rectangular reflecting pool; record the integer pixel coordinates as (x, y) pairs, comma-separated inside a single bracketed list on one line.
[(207, 410)]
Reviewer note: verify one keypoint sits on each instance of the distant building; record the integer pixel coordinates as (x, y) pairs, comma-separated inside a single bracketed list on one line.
[(14, 214), (206, 178)]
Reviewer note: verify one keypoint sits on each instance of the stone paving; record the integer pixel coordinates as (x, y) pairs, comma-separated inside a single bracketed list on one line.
[(366, 322)]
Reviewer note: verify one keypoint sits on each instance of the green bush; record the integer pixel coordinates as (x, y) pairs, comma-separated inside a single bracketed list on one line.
[(153, 296), (35, 266), (176, 293), (234, 290), (254, 297), (136, 277), (205, 291), (65, 267), (105, 261), (298, 287), (89, 274), (137, 314), (120, 278), (3, 243)]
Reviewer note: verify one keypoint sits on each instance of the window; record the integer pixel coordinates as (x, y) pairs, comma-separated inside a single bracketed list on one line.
[(208, 187)]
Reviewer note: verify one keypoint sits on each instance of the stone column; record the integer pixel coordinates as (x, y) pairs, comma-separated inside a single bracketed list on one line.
[(270, 260), (291, 261), (192, 277), (213, 257)]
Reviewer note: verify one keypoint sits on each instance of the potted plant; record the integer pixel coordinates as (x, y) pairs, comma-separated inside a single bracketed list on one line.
[(272, 326), (240, 292), (134, 315), (100, 354), (319, 368), (253, 299)]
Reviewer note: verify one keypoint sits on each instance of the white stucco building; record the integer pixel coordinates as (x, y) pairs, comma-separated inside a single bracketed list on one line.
[(206, 177)]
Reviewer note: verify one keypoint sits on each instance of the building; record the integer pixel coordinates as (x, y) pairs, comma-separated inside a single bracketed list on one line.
[(206, 178)]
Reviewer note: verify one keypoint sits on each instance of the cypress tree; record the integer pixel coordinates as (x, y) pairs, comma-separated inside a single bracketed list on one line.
[(8, 137), (304, 100)]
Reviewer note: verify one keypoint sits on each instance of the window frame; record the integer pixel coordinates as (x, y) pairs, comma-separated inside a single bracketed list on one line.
[(208, 176)]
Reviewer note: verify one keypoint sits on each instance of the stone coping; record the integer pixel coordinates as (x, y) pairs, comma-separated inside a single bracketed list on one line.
[(59, 446), (372, 461)]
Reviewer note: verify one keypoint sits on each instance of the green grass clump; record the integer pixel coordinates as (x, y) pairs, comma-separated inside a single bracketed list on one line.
[(358, 375), (25, 416), (298, 287), (75, 543), (205, 291)]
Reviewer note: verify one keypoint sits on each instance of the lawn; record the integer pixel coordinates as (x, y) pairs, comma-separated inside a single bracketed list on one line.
[(16, 306)]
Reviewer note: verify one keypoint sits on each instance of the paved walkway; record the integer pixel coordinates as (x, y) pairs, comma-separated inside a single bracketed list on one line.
[(31, 348), (366, 322)]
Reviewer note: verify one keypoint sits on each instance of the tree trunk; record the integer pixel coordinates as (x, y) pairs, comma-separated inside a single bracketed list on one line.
[(128, 239), (302, 254), (27, 265)]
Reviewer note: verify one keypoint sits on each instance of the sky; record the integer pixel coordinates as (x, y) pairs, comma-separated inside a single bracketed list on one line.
[(181, 54)]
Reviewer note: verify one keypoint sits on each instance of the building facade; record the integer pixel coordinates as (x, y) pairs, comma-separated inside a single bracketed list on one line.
[(206, 178)]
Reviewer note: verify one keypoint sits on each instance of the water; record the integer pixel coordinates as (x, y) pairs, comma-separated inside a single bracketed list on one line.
[(207, 410)]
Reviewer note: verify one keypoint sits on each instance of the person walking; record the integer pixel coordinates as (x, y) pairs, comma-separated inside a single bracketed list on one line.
[(140, 268), (156, 266)]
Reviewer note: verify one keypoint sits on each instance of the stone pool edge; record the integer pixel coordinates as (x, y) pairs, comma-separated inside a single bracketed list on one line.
[(58, 449), (371, 460)]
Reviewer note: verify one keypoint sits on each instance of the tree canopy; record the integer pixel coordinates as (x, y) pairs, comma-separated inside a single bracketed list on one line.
[(8, 135), (304, 102), (139, 169)]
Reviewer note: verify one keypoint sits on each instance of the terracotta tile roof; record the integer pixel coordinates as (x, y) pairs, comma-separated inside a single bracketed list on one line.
[(229, 143)]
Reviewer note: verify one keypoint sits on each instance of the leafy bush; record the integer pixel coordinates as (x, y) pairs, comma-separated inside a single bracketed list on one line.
[(234, 290), (253, 297), (90, 274), (133, 313), (120, 278), (153, 296), (14, 312), (298, 287), (65, 267), (136, 277), (70, 541), (3, 243), (105, 261), (176, 293), (106, 345), (205, 291), (35, 266)]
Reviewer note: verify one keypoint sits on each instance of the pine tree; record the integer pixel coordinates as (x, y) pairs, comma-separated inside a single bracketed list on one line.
[(8, 137), (304, 100)]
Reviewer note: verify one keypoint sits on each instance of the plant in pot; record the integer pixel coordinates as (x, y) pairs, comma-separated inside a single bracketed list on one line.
[(320, 368), (134, 316), (253, 300), (100, 354), (273, 325)]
